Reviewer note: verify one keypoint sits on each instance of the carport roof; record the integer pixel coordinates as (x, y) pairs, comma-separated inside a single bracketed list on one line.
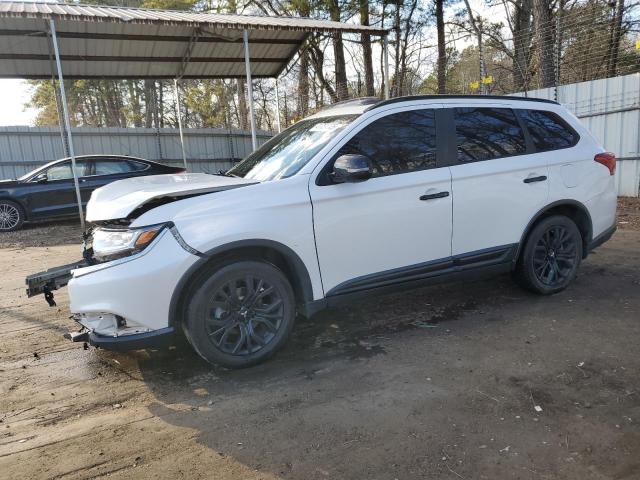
[(136, 43)]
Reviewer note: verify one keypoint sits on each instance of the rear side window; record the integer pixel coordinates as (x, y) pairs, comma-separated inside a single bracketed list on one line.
[(487, 133), (137, 166), (112, 167), (398, 143), (547, 130)]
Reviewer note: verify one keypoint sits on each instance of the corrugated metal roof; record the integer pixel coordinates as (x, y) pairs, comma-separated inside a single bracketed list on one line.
[(98, 13), (119, 42)]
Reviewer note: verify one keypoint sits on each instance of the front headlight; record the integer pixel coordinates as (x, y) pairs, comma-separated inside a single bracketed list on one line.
[(112, 243)]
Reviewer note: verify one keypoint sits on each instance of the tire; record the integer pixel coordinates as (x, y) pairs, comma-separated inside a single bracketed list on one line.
[(11, 216), (244, 325), (551, 256)]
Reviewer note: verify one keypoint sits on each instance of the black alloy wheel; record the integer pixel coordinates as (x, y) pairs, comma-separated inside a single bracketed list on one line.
[(244, 315), (555, 255), (240, 313), (551, 256)]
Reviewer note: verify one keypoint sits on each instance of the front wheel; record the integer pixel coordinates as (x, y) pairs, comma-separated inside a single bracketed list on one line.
[(241, 314), (551, 256), (11, 216)]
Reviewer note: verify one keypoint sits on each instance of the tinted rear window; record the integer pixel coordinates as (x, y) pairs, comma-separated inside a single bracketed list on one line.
[(486, 133), (548, 131), (112, 167)]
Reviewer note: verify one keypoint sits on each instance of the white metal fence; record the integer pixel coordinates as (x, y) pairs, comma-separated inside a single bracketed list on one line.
[(208, 150), (610, 109)]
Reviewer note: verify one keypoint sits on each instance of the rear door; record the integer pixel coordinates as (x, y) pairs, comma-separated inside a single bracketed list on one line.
[(498, 183), (394, 227)]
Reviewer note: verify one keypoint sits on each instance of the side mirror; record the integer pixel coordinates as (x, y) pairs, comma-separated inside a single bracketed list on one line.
[(40, 178), (351, 169)]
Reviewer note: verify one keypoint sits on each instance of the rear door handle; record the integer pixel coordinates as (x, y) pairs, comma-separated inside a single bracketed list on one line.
[(434, 195), (541, 178)]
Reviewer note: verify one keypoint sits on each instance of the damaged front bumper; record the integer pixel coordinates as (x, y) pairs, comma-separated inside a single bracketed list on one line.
[(53, 279), (137, 341), (122, 304)]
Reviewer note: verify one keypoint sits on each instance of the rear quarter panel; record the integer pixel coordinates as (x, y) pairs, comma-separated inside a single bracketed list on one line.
[(575, 175)]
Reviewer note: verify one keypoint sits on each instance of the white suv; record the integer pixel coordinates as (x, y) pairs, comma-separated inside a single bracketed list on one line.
[(364, 197)]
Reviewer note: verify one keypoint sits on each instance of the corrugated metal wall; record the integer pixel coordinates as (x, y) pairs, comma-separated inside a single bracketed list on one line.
[(208, 150), (610, 109)]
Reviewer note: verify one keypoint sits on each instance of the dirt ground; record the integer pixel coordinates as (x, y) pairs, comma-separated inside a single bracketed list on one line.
[(464, 381)]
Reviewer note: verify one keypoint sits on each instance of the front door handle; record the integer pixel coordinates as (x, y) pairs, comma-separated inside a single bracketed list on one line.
[(434, 195), (541, 178)]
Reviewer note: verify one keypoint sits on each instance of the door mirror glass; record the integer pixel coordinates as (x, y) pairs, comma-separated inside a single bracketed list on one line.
[(351, 169)]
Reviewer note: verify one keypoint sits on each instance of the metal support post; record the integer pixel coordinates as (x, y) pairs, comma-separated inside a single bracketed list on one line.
[(67, 123), (385, 54), (184, 154), (252, 113), (278, 108)]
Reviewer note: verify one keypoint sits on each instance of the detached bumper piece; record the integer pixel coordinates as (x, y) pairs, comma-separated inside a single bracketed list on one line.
[(49, 280), (138, 341), (81, 336)]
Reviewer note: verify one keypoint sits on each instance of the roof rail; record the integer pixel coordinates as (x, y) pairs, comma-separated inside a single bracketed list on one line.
[(409, 98), (354, 102)]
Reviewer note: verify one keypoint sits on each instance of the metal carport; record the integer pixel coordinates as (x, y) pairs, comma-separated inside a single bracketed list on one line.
[(40, 40)]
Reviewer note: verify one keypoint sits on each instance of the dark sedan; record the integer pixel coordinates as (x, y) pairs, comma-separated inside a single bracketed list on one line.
[(48, 192)]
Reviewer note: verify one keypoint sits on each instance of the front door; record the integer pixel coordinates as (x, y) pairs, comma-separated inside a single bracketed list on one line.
[(397, 224), (57, 196)]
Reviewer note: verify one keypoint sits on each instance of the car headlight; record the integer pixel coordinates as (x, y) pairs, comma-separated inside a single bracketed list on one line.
[(113, 243)]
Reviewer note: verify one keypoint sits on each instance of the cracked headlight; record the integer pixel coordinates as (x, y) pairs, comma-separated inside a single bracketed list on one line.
[(113, 243)]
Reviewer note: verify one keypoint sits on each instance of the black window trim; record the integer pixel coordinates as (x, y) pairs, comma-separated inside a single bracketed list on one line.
[(323, 180)]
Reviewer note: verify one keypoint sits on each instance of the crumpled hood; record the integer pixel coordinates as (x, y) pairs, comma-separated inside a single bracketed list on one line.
[(118, 199)]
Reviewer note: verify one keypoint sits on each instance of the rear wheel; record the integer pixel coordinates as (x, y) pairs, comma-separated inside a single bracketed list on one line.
[(11, 216), (551, 256), (241, 314)]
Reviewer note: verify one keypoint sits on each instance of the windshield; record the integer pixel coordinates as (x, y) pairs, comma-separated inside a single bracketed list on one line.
[(286, 153)]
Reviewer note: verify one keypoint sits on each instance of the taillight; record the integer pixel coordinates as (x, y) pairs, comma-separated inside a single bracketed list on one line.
[(181, 170), (607, 159)]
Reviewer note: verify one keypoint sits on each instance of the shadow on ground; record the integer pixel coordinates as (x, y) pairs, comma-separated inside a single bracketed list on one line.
[(436, 383)]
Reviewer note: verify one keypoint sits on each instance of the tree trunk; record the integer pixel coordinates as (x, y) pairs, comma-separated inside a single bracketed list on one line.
[(616, 36), (160, 104), (303, 84), (544, 36), (243, 114), (338, 54), (521, 41), (149, 102), (383, 87), (397, 74), (317, 57), (134, 95), (366, 50), (442, 52), (304, 9), (476, 24)]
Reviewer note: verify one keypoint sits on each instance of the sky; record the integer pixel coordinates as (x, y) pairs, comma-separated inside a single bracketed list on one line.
[(14, 94)]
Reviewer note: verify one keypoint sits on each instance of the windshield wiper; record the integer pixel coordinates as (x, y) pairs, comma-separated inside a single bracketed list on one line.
[(224, 173)]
